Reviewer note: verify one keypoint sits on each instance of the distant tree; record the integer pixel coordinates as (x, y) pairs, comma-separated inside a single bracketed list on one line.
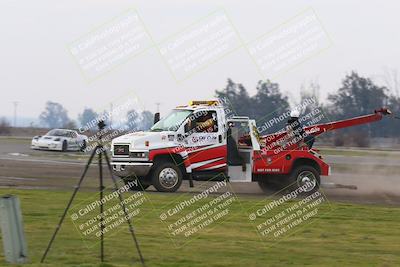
[(310, 92), (392, 127), (235, 98), (146, 120), (54, 115), (264, 106), (391, 79), (139, 121), (5, 126), (133, 120), (88, 115), (70, 125), (230, 91), (270, 105), (358, 96), (269, 99)]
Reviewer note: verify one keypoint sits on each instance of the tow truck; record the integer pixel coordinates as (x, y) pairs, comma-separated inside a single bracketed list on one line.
[(199, 142)]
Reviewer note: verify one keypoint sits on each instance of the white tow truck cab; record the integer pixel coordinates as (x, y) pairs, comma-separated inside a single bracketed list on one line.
[(190, 143)]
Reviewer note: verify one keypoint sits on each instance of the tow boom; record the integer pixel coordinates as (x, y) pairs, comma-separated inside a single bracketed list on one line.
[(315, 130), (325, 127)]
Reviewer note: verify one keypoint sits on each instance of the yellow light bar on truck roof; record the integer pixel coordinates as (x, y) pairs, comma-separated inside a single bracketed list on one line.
[(205, 102)]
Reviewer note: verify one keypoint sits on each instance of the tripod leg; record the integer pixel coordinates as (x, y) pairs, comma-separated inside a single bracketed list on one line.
[(191, 180), (101, 189), (128, 220), (68, 205)]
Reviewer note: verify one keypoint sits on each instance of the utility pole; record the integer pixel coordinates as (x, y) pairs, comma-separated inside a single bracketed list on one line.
[(15, 113), (111, 113), (158, 106)]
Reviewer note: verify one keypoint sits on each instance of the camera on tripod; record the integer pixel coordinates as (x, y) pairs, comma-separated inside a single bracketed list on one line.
[(101, 124)]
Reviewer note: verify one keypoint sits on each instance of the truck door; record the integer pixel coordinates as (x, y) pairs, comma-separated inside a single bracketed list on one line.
[(241, 145), (205, 141)]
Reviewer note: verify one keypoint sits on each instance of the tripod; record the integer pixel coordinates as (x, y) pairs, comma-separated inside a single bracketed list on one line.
[(99, 150)]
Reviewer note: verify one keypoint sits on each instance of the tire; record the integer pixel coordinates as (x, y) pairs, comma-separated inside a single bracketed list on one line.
[(64, 146), (83, 146), (304, 174), (166, 177), (139, 187)]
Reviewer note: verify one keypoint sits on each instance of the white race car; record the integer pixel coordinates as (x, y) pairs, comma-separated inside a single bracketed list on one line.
[(61, 140)]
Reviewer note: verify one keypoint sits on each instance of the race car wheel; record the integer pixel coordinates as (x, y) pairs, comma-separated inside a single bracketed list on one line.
[(166, 177), (306, 177), (64, 146), (83, 145)]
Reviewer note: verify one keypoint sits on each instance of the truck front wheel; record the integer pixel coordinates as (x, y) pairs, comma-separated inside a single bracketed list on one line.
[(306, 177), (166, 177)]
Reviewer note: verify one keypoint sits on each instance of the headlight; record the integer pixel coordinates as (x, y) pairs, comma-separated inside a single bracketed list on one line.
[(139, 154)]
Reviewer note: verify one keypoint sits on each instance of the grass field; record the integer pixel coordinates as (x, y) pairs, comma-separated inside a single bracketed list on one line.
[(339, 235)]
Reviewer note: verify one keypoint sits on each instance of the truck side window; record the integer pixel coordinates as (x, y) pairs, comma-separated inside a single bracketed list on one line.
[(205, 122)]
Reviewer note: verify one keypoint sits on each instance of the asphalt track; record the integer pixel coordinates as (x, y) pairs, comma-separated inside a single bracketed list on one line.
[(376, 177)]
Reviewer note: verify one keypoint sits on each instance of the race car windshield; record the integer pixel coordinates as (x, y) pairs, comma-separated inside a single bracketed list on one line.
[(172, 121), (59, 133)]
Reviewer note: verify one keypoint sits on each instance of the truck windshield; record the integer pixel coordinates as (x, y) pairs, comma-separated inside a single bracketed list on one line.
[(172, 121)]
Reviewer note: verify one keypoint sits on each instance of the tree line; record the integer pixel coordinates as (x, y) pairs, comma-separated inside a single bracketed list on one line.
[(56, 116), (356, 96)]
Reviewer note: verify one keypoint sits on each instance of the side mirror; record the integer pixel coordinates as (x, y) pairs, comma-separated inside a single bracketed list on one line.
[(156, 117)]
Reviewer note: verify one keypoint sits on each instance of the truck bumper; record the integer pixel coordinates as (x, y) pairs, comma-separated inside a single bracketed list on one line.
[(124, 169)]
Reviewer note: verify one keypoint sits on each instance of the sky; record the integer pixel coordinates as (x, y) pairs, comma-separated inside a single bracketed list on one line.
[(37, 64)]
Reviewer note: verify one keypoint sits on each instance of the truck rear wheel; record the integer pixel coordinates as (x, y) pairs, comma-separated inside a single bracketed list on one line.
[(166, 177), (306, 177)]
